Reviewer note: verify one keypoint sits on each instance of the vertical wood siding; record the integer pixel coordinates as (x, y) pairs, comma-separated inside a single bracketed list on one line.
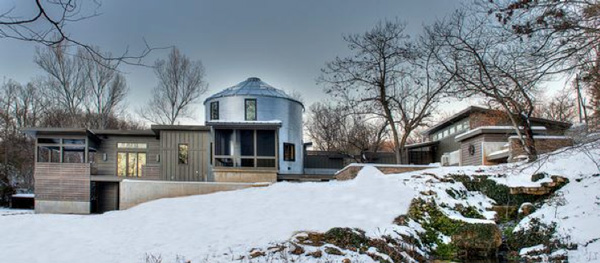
[(198, 155)]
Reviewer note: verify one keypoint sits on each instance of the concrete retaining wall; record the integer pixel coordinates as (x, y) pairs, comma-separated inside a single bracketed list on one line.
[(61, 207), (235, 175), (134, 192)]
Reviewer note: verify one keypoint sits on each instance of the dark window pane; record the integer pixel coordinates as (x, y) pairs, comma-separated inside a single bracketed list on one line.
[(183, 154), (49, 140), (54, 154), (247, 162), (289, 152), (247, 142), (74, 141), (223, 162), (265, 143), (250, 109), (214, 110), (73, 154), (265, 163), (223, 142), (43, 155)]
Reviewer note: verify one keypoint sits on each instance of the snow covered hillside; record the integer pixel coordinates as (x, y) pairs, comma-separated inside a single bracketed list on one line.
[(233, 226), (208, 226)]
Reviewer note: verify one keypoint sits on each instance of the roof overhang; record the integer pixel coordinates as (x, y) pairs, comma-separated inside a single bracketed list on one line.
[(245, 124), (35, 132), (421, 145), (508, 130)]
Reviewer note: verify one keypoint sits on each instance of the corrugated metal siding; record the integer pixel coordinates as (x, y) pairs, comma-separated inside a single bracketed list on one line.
[(109, 146), (198, 155)]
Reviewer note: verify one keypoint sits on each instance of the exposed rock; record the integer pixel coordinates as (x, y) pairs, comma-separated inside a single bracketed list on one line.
[(346, 260), (526, 209), (257, 253), (333, 251), (316, 254), (311, 239), (297, 250), (477, 240)]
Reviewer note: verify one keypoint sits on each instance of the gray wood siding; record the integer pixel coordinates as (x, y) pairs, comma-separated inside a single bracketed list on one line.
[(465, 157), (109, 146), (197, 168)]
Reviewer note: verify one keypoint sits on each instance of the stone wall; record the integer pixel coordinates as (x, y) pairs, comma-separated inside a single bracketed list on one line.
[(351, 171), (62, 188), (134, 192), (543, 144)]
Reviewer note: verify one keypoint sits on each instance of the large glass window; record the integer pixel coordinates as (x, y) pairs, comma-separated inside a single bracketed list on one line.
[(214, 110), (250, 109), (182, 154), (244, 148), (223, 148), (130, 163)]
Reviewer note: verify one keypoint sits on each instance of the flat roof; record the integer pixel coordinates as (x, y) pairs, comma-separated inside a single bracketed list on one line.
[(492, 130), (245, 124), (179, 128), (466, 112)]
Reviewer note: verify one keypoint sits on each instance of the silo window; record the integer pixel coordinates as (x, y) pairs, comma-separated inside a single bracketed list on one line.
[(250, 109), (289, 152), (214, 110)]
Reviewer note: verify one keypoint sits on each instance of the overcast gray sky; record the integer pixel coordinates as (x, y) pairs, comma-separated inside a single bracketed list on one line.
[(285, 43)]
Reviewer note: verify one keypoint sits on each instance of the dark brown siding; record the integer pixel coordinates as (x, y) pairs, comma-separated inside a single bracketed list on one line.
[(62, 182), (109, 146), (198, 155)]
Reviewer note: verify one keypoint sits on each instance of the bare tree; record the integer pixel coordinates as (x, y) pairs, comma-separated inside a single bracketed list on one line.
[(46, 24), (335, 128), (105, 87), (560, 107), (64, 82), (369, 78), (180, 84), (489, 62), (570, 29), (390, 78)]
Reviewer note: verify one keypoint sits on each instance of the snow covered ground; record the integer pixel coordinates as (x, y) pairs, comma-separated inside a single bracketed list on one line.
[(208, 226), (223, 226)]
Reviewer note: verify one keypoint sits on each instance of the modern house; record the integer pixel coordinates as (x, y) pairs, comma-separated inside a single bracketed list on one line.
[(253, 133), (481, 136)]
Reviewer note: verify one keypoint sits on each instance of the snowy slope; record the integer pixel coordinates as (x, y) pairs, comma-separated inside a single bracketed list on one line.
[(208, 226)]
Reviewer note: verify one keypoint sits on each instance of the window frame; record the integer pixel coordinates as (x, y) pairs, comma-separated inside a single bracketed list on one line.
[(214, 110), (246, 109), (138, 167), (289, 157), (187, 154)]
